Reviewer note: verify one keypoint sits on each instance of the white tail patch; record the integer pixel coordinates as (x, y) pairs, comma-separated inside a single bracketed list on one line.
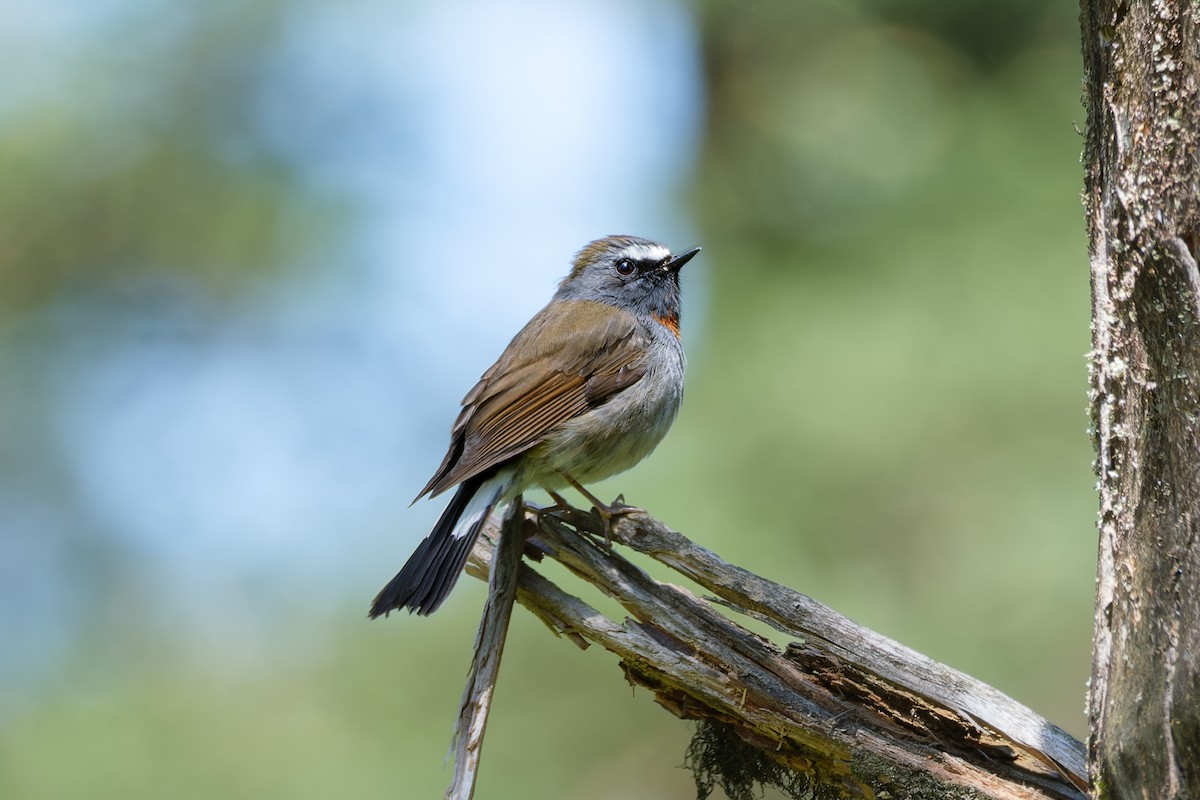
[(489, 493)]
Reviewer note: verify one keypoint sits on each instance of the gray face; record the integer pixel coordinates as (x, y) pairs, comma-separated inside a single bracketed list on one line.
[(631, 273)]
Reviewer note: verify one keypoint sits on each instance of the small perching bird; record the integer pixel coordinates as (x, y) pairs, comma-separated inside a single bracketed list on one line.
[(587, 389)]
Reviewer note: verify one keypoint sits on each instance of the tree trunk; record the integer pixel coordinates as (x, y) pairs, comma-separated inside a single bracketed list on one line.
[(1141, 61)]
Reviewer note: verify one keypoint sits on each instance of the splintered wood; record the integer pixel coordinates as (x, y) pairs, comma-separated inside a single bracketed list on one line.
[(848, 707)]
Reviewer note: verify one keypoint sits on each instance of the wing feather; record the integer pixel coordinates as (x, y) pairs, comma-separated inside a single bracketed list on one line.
[(572, 357)]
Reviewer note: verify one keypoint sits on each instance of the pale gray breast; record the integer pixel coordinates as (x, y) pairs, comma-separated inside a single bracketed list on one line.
[(623, 431)]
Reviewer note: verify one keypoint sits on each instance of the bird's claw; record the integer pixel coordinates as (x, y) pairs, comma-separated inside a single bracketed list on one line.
[(607, 513)]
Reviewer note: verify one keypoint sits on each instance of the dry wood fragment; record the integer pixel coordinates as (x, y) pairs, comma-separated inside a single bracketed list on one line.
[(469, 728), (846, 708)]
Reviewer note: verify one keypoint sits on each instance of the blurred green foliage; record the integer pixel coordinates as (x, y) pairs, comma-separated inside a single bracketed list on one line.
[(891, 392), (885, 407), (136, 157)]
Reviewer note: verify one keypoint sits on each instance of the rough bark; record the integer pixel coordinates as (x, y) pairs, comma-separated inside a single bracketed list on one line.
[(844, 711), (1141, 182)]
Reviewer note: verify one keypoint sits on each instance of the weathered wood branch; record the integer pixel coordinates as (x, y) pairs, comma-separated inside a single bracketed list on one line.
[(476, 703), (849, 710)]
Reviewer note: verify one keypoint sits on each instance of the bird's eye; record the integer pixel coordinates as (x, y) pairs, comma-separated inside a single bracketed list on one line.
[(625, 267)]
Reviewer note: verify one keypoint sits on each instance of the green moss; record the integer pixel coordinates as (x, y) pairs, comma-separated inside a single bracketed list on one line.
[(718, 756)]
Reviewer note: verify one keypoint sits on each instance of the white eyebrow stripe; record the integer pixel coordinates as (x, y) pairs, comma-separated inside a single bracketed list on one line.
[(646, 252)]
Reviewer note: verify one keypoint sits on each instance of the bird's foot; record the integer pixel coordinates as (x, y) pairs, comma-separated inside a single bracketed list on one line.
[(561, 506), (607, 512), (561, 510)]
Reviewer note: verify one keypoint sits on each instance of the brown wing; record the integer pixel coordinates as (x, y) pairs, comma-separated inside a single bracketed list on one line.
[(559, 366)]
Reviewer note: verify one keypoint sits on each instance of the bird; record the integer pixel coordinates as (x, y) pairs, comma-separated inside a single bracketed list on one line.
[(587, 389)]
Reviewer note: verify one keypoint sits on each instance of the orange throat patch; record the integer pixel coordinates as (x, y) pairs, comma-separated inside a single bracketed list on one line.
[(671, 323)]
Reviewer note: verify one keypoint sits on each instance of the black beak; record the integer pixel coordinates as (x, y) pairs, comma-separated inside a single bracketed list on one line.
[(675, 263)]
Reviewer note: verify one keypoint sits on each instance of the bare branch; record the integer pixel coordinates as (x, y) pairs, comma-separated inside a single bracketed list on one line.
[(849, 709), (476, 703)]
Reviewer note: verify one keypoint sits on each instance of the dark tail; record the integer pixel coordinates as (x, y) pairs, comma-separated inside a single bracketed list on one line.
[(431, 572)]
